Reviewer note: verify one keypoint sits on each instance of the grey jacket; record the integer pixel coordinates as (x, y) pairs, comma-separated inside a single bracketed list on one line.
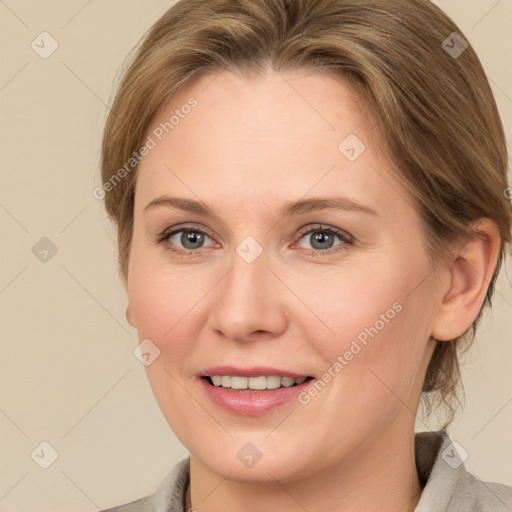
[(447, 485)]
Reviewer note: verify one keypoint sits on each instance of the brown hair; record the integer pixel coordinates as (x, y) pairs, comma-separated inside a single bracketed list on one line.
[(436, 112)]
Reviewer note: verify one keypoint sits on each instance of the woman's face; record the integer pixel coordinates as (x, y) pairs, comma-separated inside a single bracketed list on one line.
[(308, 262)]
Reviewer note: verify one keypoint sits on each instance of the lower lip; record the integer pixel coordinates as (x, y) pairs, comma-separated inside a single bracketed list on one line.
[(252, 403)]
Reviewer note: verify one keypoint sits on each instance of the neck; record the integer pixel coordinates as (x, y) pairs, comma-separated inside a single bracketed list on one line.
[(381, 476)]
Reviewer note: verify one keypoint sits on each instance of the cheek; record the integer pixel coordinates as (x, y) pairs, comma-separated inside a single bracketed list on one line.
[(369, 327), (159, 293), (168, 304), (163, 306), (353, 303)]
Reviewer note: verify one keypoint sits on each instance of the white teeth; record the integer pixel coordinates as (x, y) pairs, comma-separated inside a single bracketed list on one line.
[(263, 382), (273, 382), (257, 383), (287, 381), (239, 382)]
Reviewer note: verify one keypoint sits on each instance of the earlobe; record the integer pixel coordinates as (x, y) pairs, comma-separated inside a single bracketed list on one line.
[(129, 315), (470, 274)]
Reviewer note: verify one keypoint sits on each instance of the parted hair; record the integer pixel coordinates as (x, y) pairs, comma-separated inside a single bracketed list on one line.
[(435, 111)]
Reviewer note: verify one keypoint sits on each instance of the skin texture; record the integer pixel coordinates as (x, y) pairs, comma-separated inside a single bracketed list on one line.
[(249, 146)]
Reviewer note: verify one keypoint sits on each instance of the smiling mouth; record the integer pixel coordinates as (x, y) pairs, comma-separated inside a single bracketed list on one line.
[(254, 384)]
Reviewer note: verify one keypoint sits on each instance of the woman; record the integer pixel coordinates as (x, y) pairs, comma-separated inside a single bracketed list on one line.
[(311, 213)]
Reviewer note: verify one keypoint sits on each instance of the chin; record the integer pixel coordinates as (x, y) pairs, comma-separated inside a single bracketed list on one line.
[(247, 466)]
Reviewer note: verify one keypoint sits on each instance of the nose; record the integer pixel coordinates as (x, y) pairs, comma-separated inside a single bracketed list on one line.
[(250, 302)]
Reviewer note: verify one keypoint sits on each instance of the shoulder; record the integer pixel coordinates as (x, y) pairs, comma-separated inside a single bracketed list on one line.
[(146, 504), (485, 496), (450, 487), (169, 497)]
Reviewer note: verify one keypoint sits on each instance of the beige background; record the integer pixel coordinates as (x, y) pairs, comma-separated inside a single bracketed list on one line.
[(68, 373)]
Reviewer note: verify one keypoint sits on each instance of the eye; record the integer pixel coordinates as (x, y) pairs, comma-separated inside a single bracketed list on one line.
[(186, 240), (190, 237), (323, 239)]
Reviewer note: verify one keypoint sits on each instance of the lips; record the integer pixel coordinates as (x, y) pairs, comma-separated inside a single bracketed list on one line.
[(252, 391), (249, 402)]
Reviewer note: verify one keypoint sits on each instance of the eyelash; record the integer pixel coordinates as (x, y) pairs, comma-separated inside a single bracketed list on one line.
[(345, 238)]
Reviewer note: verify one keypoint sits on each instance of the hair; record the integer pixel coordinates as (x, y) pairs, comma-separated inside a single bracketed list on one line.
[(436, 113)]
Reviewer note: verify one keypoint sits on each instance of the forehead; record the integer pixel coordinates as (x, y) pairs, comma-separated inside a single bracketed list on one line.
[(285, 133)]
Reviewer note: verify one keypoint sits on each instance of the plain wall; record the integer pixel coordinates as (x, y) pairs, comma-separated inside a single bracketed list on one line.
[(68, 375)]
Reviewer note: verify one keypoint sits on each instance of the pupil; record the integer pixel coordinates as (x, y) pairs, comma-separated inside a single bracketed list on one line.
[(191, 237), (322, 237)]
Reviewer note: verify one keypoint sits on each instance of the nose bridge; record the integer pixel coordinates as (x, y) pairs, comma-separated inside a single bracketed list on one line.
[(245, 287), (247, 299)]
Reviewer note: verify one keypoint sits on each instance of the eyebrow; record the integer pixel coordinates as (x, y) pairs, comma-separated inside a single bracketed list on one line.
[(289, 208)]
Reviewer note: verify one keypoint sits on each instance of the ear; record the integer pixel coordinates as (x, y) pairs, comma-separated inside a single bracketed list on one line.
[(129, 316), (469, 277)]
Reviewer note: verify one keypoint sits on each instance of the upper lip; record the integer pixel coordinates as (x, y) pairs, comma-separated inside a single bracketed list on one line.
[(253, 371)]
